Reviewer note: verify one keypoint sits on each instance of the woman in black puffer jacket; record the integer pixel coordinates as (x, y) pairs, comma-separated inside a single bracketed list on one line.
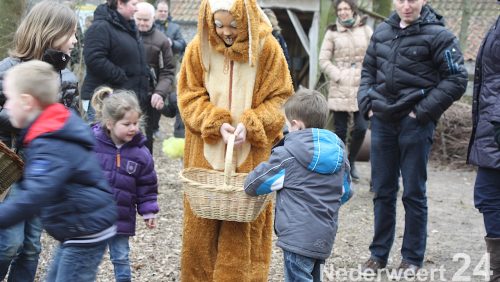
[(113, 52)]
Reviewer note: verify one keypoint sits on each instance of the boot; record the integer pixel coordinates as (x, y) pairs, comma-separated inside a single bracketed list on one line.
[(354, 147), (493, 248)]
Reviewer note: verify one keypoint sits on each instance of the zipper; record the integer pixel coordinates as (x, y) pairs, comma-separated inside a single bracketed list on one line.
[(118, 159), (396, 42)]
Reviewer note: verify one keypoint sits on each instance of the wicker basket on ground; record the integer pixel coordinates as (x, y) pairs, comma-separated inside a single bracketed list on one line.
[(220, 195)]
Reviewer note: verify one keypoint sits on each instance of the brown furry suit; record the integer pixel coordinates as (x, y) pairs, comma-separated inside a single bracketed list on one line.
[(221, 250)]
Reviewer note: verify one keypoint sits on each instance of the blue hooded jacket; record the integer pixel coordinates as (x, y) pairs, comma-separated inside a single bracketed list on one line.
[(311, 172), (62, 182)]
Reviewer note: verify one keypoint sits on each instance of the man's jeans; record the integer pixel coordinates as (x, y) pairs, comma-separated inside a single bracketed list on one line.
[(396, 147), (487, 199), (20, 248), (302, 269), (118, 251), (76, 262)]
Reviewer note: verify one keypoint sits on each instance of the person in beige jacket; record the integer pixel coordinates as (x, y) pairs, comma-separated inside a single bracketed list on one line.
[(340, 59)]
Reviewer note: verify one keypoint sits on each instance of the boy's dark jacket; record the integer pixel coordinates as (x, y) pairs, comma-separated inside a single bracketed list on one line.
[(311, 172), (61, 181)]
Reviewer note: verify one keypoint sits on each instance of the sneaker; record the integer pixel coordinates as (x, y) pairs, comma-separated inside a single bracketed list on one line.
[(407, 270), (371, 267), (157, 135)]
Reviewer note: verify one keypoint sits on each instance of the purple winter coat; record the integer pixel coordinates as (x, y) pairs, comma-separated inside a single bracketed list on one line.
[(134, 181)]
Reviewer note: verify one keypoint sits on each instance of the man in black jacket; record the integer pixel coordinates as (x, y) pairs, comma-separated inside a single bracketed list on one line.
[(412, 72)]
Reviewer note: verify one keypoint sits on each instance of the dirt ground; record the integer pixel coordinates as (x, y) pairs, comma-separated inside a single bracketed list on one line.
[(455, 245)]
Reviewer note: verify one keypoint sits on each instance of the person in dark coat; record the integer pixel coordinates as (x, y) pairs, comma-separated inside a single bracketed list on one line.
[(412, 72), (128, 167), (173, 32), (113, 52), (60, 182), (170, 29), (161, 66), (46, 33), (484, 146), (277, 34)]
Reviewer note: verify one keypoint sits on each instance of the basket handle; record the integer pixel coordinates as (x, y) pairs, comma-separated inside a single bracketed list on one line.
[(229, 167)]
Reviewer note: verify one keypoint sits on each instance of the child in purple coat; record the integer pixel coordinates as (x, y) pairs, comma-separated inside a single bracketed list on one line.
[(128, 166)]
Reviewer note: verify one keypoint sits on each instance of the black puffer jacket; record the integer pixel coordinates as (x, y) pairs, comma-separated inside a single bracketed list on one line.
[(114, 55), (418, 68)]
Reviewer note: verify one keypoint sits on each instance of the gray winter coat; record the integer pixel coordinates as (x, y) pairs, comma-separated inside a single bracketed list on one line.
[(173, 31), (68, 96), (310, 171)]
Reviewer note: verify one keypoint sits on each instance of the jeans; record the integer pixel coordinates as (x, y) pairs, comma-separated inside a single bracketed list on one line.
[(76, 262), (118, 251), (20, 248), (487, 199), (400, 147), (302, 269), (341, 122)]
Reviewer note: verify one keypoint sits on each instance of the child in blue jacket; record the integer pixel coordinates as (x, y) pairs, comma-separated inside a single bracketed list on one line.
[(310, 172), (61, 182)]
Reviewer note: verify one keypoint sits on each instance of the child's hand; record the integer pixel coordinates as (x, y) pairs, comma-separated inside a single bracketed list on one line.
[(150, 223)]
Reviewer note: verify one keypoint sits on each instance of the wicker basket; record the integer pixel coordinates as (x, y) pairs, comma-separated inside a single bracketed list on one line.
[(220, 195), (11, 167)]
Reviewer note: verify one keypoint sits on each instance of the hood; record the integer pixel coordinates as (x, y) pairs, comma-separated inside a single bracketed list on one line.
[(427, 16), (252, 24), (101, 134), (321, 150), (57, 122), (105, 13)]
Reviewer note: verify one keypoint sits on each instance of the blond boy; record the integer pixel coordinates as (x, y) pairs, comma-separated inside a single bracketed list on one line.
[(60, 182)]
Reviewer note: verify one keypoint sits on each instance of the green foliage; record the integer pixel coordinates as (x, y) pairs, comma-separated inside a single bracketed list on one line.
[(10, 14), (382, 7)]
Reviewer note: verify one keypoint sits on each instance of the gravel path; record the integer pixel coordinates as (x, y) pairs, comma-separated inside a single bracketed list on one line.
[(455, 243)]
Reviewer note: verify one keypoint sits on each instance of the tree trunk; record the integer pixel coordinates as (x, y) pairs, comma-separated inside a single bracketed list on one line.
[(464, 26), (10, 15)]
